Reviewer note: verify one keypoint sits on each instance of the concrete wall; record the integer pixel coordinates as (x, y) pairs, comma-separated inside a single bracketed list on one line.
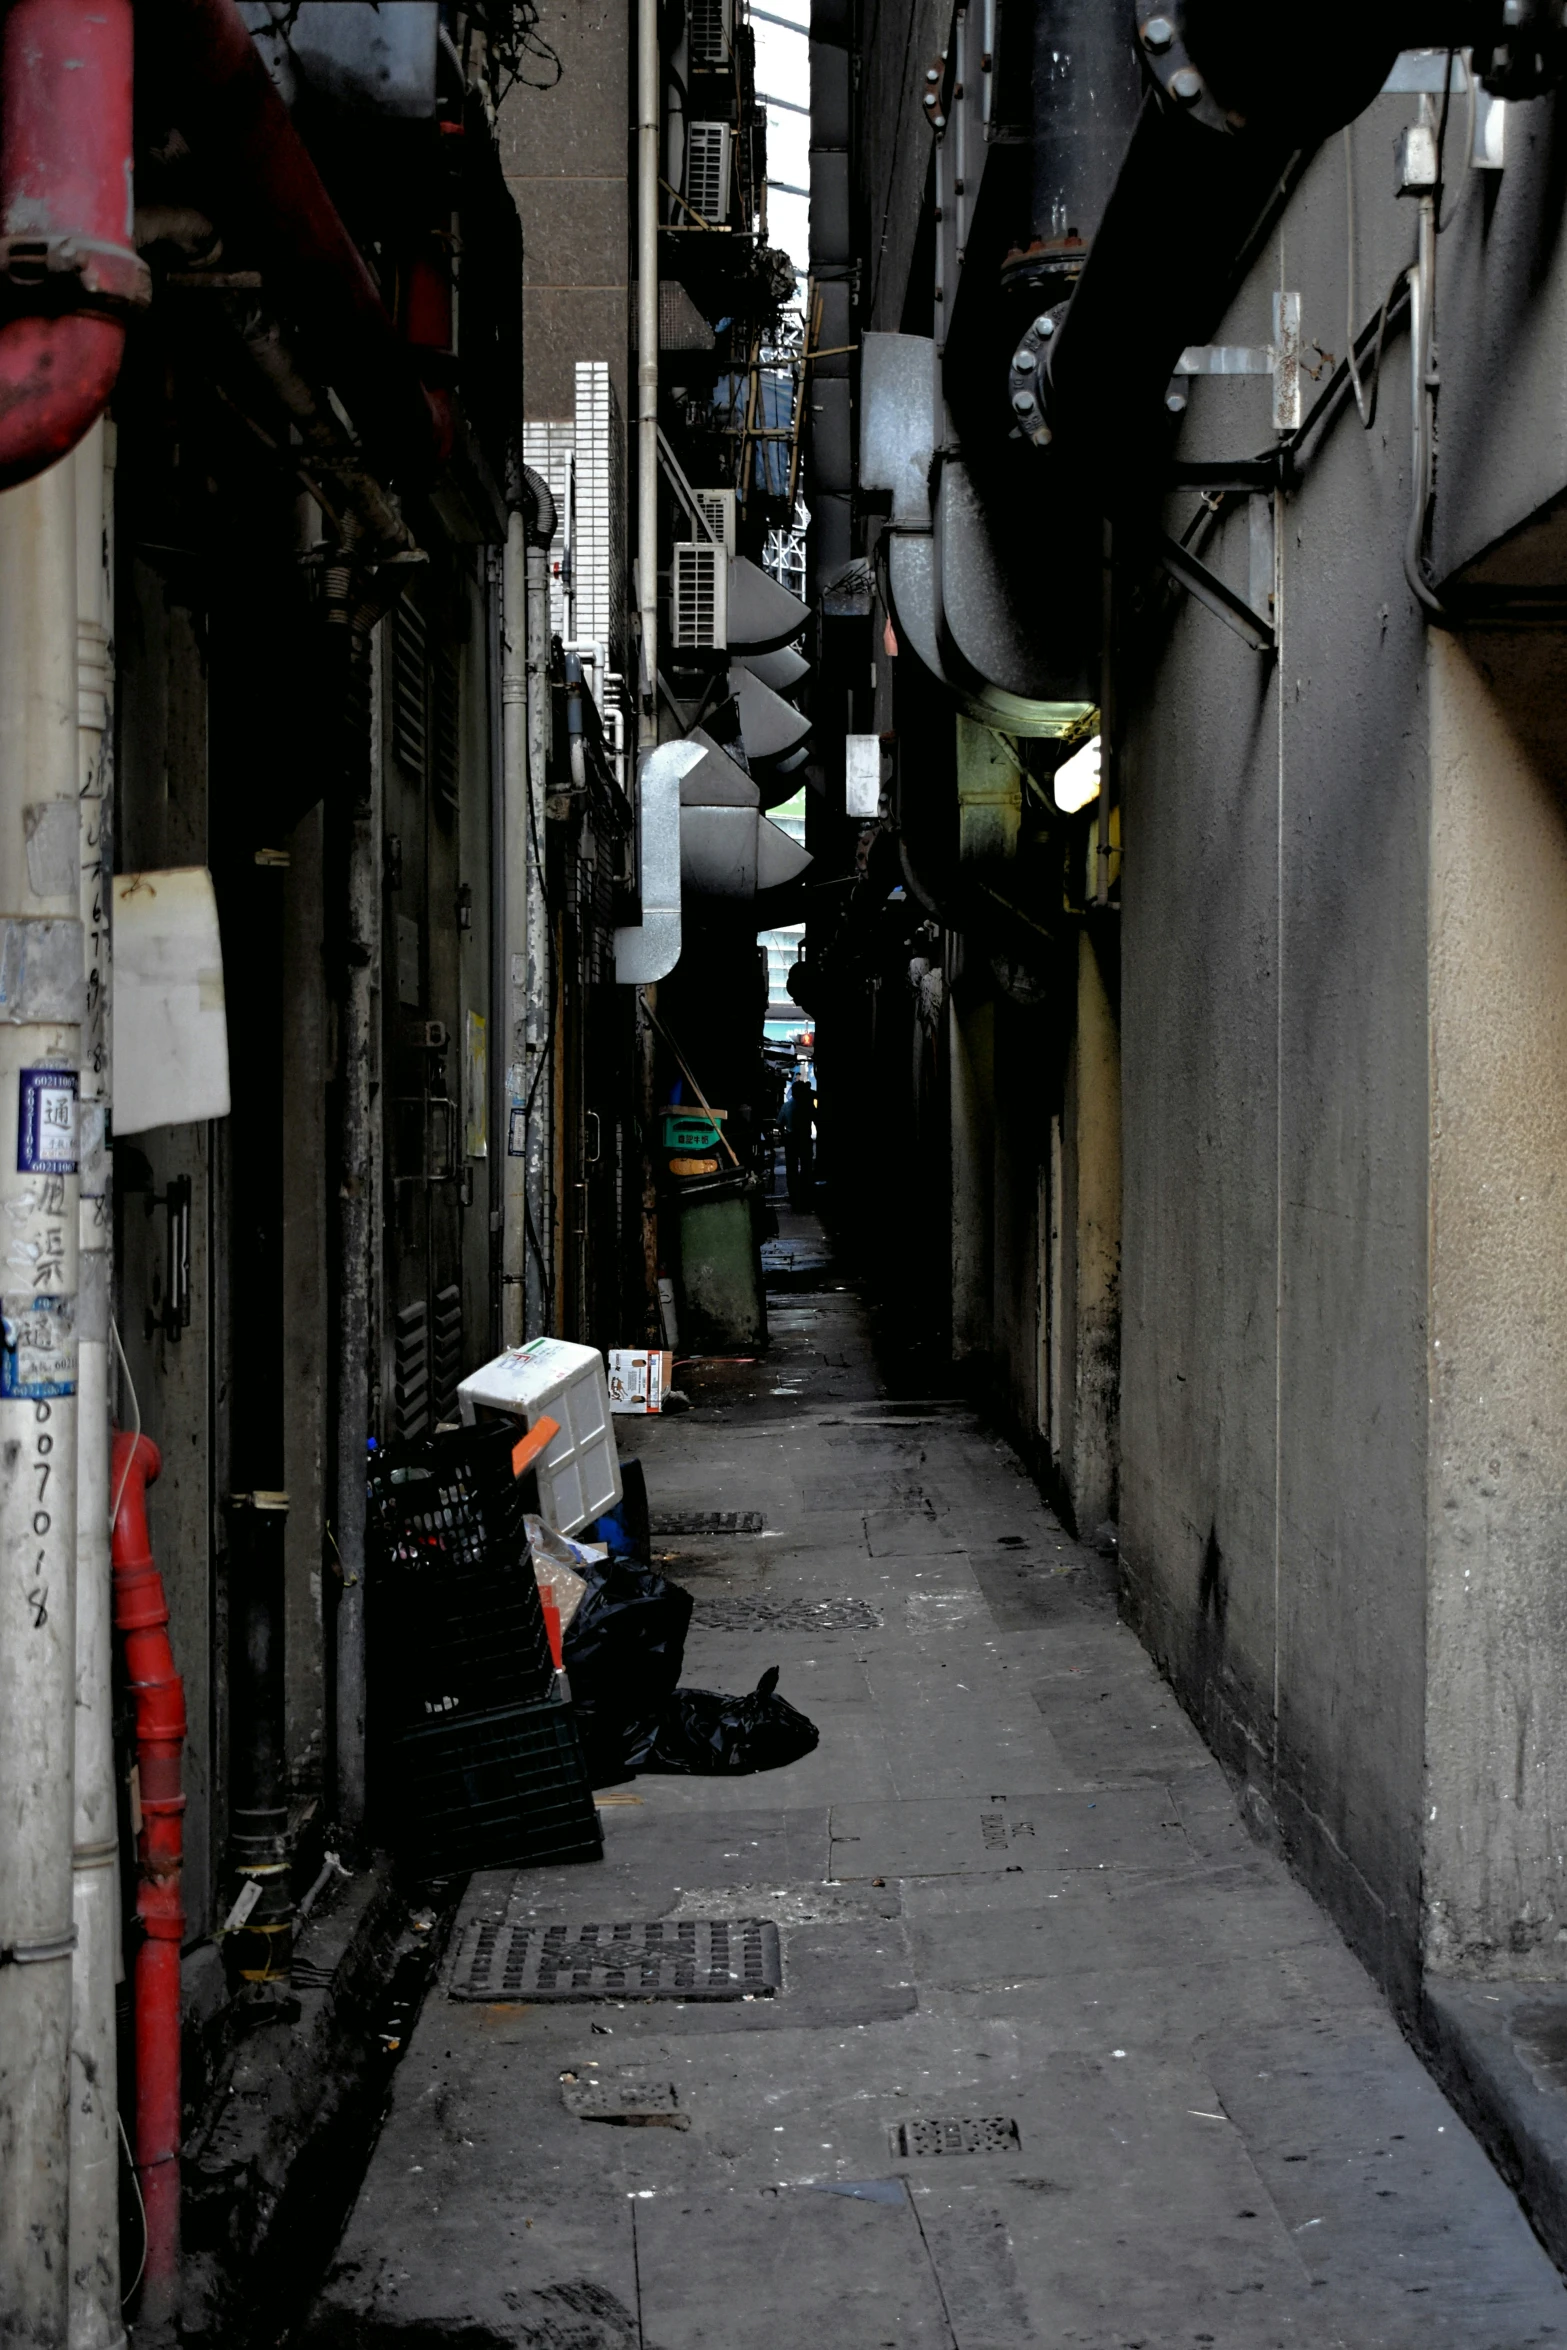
[(1344, 884), (565, 151), (1496, 1901)]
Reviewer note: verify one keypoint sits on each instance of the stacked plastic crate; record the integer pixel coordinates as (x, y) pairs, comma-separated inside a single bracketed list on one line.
[(487, 1770)]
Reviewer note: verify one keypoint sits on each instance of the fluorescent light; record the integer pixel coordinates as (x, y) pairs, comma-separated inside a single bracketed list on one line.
[(1077, 778)]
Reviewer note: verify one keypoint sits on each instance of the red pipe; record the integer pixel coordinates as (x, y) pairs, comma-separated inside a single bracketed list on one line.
[(240, 127), (66, 229), (141, 1612)]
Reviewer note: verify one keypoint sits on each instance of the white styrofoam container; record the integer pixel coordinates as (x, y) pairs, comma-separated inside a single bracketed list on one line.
[(579, 1474)]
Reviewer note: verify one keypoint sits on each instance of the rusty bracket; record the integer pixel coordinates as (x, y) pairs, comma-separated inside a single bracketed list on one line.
[(79, 273)]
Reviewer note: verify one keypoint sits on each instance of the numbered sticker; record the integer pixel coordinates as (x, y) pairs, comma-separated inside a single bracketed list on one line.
[(46, 1123)]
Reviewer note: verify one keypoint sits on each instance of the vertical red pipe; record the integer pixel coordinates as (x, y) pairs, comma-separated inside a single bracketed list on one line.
[(65, 196), (141, 1612)]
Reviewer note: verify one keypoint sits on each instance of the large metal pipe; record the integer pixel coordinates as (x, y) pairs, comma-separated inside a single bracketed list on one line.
[(95, 2320), (238, 125), (647, 364), (1087, 89), (40, 1030), (65, 222)]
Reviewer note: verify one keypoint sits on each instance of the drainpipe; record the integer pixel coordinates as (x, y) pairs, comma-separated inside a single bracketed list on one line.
[(539, 1275), (67, 244), (524, 699), (647, 364), (40, 1032), (95, 2168), (234, 120), (357, 1240), (141, 1611)]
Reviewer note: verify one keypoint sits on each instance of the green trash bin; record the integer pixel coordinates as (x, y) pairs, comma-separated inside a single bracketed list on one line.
[(723, 1303)]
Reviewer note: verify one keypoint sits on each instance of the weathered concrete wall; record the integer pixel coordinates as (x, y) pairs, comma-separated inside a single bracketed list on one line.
[(1345, 937), (1275, 1100), (1496, 1900), (564, 151), (1087, 1414)]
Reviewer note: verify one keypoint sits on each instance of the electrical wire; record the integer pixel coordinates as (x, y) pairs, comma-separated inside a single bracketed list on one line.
[(135, 1433), (141, 2206)]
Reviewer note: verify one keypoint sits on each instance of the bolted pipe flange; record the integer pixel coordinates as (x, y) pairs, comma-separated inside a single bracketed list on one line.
[(1161, 37), (1026, 377)]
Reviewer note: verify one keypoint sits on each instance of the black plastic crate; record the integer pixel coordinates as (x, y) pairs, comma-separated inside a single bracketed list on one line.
[(498, 1790), (456, 1623)]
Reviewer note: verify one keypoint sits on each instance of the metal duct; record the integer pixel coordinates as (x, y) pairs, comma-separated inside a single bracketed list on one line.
[(716, 780), (734, 852), (783, 671), (762, 615), (770, 726), (651, 949)]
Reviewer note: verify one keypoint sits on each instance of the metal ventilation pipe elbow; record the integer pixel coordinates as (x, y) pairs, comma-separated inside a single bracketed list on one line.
[(66, 236), (538, 505)]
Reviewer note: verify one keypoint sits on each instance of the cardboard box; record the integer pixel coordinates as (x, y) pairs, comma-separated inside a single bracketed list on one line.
[(639, 1378)]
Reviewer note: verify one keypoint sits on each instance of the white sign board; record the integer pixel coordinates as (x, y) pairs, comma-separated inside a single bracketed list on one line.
[(171, 1039)]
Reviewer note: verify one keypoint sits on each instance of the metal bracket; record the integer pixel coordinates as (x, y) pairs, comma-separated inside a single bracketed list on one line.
[(81, 272), (1219, 599), (1280, 359)]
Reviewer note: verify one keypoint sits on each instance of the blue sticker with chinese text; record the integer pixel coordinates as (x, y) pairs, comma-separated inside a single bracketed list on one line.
[(46, 1122)]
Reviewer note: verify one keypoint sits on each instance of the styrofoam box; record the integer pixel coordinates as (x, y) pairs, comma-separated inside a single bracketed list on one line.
[(579, 1473)]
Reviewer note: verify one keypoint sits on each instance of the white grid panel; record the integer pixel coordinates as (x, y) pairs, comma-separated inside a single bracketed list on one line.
[(549, 447)]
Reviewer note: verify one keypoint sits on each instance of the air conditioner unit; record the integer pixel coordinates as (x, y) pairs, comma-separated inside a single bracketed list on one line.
[(719, 508), (698, 596), (708, 169), (711, 24)]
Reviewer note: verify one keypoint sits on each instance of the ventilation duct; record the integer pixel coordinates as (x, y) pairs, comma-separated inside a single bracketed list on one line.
[(716, 781), (735, 852), (770, 726), (783, 671), (762, 615), (650, 949)]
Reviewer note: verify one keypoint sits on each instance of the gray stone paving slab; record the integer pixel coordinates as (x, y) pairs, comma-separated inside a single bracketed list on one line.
[(1221, 2139)]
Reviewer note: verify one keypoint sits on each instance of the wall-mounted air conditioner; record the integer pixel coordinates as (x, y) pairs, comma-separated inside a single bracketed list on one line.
[(711, 27), (698, 595), (719, 508), (709, 155)]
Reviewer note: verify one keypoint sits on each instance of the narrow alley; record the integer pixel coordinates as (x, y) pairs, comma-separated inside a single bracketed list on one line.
[(1060, 2055)]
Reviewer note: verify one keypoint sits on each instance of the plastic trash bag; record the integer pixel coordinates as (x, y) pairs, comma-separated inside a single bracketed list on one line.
[(702, 1733), (627, 1641)]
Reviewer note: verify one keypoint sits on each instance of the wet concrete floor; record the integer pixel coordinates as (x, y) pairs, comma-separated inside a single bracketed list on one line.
[(1060, 2057)]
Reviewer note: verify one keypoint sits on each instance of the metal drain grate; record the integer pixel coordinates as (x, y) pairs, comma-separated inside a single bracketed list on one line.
[(636, 2105), (993, 2133), (706, 1522), (786, 1615), (671, 1958)]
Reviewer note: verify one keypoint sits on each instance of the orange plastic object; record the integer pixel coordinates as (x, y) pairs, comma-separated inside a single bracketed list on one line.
[(527, 1448)]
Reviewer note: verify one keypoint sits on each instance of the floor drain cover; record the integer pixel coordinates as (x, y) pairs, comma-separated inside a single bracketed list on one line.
[(706, 1522), (637, 2105), (786, 1615), (994, 2133), (680, 1958)]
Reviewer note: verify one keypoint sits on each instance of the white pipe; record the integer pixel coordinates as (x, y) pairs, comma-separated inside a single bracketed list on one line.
[(40, 1036), (539, 1287), (518, 865), (647, 363), (94, 2207)]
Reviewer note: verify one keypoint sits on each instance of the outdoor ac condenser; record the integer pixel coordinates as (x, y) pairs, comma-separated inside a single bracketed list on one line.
[(711, 24), (719, 508), (699, 595), (708, 159)]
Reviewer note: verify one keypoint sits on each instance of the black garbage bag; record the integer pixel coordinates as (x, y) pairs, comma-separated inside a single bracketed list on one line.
[(627, 1641), (702, 1733)]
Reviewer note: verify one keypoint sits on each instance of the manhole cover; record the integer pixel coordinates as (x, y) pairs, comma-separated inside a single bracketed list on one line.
[(993, 2133), (670, 1958), (706, 1522), (786, 1615), (636, 2105)]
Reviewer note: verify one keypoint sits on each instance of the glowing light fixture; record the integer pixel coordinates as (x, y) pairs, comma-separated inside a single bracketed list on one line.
[(1077, 779)]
